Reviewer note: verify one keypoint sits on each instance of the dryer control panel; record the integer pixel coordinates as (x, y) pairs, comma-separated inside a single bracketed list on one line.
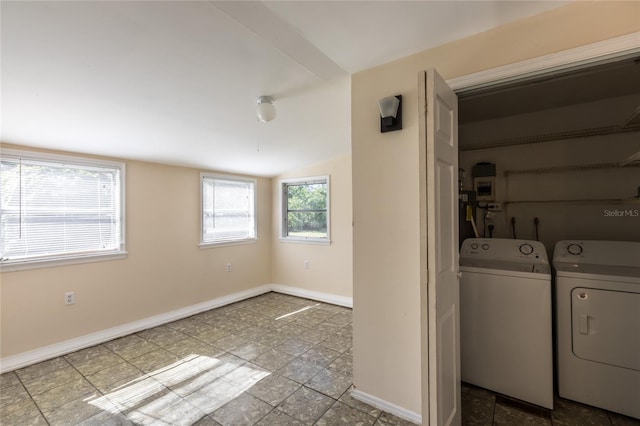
[(504, 249), (592, 252)]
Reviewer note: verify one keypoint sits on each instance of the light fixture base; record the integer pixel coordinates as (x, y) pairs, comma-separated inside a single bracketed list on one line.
[(265, 99)]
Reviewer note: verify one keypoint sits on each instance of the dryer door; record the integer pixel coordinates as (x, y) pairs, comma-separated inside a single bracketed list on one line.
[(606, 326)]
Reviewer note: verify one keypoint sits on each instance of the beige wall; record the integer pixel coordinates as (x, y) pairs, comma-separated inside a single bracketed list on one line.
[(331, 266), (387, 343), (164, 270)]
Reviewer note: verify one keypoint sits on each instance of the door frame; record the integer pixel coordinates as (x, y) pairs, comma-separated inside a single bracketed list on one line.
[(599, 53), (602, 52)]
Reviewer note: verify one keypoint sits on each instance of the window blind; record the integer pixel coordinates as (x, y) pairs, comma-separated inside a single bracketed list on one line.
[(228, 210), (55, 210)]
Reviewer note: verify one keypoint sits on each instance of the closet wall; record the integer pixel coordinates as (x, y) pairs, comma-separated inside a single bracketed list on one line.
[(573, 185)]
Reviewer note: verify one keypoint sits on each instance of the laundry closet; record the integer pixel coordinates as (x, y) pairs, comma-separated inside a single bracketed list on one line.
[(553, 163), (563, 149)]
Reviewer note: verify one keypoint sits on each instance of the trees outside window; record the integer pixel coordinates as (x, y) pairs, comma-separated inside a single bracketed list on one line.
[(305, 209)]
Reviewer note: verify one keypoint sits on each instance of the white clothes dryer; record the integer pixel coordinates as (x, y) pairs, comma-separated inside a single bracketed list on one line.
[(598, 323), (505, 318)]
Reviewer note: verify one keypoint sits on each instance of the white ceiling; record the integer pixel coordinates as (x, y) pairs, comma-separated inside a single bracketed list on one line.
[(177, 82)]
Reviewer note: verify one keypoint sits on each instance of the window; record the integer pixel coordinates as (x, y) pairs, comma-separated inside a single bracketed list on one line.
[(57, 209), (228, 209), (305, 209)]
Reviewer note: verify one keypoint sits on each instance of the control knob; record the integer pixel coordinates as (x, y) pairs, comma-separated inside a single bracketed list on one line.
[(574, 249), (526, 248)]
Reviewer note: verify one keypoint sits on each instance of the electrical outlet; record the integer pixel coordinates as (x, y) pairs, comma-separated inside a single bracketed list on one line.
[(69, 298), (228, 267), (494, 207), (306, 264)]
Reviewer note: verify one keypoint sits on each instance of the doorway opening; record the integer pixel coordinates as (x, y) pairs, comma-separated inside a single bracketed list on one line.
[(563, 150)]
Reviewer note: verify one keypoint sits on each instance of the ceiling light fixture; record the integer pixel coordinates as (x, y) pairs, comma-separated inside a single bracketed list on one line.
[(266, 110)]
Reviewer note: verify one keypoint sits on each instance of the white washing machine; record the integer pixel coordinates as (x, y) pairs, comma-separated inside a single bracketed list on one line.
[(506, 342), (598, 323)]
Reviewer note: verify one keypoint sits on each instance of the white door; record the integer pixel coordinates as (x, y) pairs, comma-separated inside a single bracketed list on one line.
[(440, 282)]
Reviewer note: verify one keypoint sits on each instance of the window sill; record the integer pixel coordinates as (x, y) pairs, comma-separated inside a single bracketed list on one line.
[(320, 242), (227, 243), (63, 261)]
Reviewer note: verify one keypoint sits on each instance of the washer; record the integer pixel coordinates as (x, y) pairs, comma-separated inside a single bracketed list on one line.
[(505, 318), (598, 323)]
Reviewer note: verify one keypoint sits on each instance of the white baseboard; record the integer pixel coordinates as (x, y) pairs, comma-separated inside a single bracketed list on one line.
[(44, 353), (313, 295), (389, 407), (51, 351)]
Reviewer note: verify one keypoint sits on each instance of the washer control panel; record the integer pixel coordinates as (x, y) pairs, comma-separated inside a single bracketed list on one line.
[(504, 249), (478, 246)]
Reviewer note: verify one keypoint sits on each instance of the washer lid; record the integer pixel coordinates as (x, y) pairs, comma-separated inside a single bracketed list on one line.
[(502, 265)]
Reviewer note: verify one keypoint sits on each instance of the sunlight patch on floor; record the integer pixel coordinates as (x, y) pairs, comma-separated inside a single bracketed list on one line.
[(298, 311), (182, 392)]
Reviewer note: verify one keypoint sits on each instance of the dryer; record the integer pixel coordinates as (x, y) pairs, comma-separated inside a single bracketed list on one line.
[(505, 318), (598, 323)]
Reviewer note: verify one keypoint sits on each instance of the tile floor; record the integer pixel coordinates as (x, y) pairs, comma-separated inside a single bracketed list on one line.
[(481, 407), (270, 360)]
